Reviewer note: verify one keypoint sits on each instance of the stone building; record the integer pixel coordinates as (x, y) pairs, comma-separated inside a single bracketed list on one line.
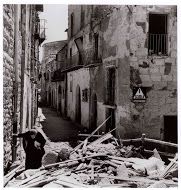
[(22, 36), (113, 50), (48, 66), (59, 81)]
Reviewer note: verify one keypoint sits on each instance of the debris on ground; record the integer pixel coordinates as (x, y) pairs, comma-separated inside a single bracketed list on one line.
[(101, 163)]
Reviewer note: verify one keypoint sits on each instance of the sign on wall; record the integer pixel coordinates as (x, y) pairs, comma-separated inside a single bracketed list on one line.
[(139, 94)]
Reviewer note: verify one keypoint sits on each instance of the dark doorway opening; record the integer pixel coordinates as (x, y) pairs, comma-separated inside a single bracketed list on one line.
[(110, 124), (94, 112), (49, 99), (60, 100), (110, 96), (170, 129), (78, 105)]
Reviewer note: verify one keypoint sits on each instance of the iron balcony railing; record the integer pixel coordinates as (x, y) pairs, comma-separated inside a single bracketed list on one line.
[(158, 44)]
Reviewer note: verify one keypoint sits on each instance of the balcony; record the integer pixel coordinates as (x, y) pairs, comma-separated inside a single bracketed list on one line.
[(40, 30), (157, 44)]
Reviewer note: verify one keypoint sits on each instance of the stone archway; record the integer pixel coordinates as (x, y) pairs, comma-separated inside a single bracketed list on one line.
[(78, 105)]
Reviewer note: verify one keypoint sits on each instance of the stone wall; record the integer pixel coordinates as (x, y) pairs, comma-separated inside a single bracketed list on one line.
[(17, 49), (125, 42), (8, 77)]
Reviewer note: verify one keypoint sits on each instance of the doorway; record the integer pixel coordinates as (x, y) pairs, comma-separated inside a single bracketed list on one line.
[(170, 129), (60, 100), (110, 124), (78, 105), (93, 113)]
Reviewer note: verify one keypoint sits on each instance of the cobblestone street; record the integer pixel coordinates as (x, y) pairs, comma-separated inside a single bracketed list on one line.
[(56, 128)]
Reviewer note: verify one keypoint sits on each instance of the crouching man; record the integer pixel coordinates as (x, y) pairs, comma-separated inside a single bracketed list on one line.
[(33, 144)]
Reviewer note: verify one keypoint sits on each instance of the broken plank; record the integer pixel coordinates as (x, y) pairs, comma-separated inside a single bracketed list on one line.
[(167, 154), (111, 163), (86, 135), (41, 182), (161, 142), (78, 146), (120, 159), (170, 165), (30, 178), (65, 181), (101, 139), (136, 179), (67, 161), (11, 174)]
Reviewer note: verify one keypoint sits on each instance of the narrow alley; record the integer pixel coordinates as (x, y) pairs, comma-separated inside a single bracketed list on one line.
[(58, 129), (90, 95)]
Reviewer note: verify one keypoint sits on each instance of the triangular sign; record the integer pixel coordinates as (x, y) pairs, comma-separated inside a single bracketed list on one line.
[(139, 95)]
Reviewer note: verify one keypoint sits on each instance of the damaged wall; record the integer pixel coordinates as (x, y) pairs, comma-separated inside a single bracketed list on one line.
[(123, 44), (125, 40)]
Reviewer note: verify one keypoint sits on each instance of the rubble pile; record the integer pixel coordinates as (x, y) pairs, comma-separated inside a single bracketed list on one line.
[(101, 163)]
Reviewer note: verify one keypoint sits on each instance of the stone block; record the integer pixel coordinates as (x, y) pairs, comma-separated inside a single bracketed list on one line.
[(174, 69), (159, 62), (167, 77), (171, 101), (155, 71), (141, 52), (171, 85), (144, 71), (133, 59), (175, 78), (174, 54), (147, 83), (145, 77), (155, 77), (134, 64), (160, 85)]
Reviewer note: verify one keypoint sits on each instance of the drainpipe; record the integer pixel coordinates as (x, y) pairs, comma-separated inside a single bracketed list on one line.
[(15, 117)]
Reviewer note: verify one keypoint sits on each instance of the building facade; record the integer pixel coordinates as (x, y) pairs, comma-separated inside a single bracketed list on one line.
[(111, 51), (48, 66), (113, 55), (22, 36)]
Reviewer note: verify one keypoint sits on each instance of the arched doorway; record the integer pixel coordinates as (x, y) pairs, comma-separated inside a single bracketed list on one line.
[(93, 113), (60, 99), (78, 105)]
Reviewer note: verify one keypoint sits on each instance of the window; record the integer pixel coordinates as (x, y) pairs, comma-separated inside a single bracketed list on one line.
[(110, 92), (158, 37), (71, 24), (96, 45)]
